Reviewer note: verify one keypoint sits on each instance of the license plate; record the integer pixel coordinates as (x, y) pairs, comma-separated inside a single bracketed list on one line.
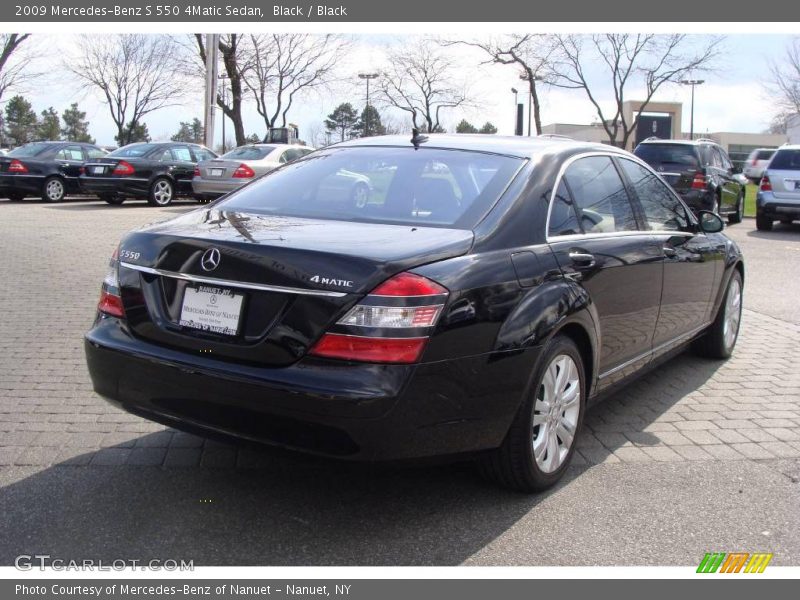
[(215, 172), (211, 309), (99, 170)]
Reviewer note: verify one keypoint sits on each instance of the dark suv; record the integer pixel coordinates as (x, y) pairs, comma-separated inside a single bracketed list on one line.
[(700, 171)]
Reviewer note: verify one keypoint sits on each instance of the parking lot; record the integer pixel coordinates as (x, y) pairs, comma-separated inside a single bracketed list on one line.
[(697, 456)]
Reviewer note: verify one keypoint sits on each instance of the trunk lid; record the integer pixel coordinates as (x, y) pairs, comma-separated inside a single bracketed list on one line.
[(278, 282)]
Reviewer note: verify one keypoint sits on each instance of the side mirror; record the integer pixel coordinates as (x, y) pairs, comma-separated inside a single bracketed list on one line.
[(710, 222)]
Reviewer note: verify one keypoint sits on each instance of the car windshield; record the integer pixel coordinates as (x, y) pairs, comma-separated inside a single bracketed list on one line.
[(430, 186), (786, 160), (249, 152), (34, 149), (133, 150), (667, 153)]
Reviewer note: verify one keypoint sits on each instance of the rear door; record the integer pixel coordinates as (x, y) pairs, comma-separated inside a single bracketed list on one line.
[(182, 164), (69, 160), (729, 187), (676, 163), (691, 259), (600, 244)]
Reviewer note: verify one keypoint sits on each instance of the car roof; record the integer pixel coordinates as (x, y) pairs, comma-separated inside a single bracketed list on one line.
[(786, 147), (678, 142), (517, 146)]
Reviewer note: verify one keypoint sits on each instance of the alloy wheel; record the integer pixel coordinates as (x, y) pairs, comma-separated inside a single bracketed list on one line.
[(733, 313), (555, 413), (162, 192), (54, 190)]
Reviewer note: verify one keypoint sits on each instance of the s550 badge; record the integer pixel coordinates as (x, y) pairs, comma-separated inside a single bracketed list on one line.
[(330, 281)]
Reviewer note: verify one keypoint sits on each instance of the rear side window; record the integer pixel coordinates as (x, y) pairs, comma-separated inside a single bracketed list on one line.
[(70, 153), (667, 154), (764, 154), (563, 218), (430, 186), (662, 210), (182, 153), (601, 202), (133, 151), (786, 160)]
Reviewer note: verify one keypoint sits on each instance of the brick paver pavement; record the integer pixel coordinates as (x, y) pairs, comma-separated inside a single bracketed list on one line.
[(54, 258)]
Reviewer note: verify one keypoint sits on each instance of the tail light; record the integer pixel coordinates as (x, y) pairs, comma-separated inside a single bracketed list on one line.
[(197, 172), (766, 184), (700, 182), (124, 168), (17, 167), (110, 299), (391, 324), (244, 172), (82, 170)]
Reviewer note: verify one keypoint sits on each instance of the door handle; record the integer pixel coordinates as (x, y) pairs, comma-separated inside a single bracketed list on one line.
[(582, 259)]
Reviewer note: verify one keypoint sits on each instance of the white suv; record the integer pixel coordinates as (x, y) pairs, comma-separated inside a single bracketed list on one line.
[(757, 162), (778, 196)]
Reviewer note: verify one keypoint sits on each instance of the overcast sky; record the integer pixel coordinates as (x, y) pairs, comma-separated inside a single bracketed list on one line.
[(732, 99)]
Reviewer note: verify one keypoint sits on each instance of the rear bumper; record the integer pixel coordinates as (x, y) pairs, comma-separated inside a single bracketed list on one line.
[(768, 205), (350, 411), (210, 187)]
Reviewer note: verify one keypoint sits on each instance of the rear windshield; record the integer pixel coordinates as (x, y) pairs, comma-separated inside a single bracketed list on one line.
[(249, 152), (674, 154), (429, 186), (133, 150), (788, 160), (33, 149), (764, 154)]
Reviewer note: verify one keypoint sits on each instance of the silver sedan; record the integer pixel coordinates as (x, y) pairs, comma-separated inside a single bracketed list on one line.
[(213, 178)]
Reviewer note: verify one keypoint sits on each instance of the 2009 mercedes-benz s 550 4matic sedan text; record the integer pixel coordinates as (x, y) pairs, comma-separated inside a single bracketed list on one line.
[(484, 292)]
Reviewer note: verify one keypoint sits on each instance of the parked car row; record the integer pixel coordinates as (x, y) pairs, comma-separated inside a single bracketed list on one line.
[(157, 172)]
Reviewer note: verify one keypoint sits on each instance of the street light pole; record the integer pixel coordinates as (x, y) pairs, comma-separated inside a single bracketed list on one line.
[(693, 83), (367, 76)]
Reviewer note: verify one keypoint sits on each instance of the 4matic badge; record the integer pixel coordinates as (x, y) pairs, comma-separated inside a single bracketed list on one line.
[(331, 281)]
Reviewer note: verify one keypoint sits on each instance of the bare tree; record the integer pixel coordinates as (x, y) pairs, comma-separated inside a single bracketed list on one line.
[(13, 72), (646, 60), (533, 54), (136, 73), (421, 81), (286, 65), (786, 79), (236, 53)]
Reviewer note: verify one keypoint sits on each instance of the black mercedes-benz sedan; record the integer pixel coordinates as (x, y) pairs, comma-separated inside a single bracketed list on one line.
[(485, 292), (46, 170), (158, 172)]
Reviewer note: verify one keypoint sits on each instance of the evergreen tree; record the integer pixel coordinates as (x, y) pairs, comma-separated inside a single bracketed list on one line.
[(49, 127), (76, 127), (488, 128), (342, 120), (466, 127), (369, 123), (133, 132), (191, 132), (20, 121)]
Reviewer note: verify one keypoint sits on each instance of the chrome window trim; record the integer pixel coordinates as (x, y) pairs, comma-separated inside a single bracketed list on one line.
[(581, 236), (235, 284)]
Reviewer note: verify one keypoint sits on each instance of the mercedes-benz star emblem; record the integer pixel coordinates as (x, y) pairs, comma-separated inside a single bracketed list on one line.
[(210, 260)]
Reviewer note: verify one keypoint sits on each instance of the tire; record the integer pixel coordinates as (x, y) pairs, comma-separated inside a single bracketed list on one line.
[(112, 199), (720, 339), (16, 197), (161, 193), (515, 464), (736, 216), (53, 189), (763, 223)]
